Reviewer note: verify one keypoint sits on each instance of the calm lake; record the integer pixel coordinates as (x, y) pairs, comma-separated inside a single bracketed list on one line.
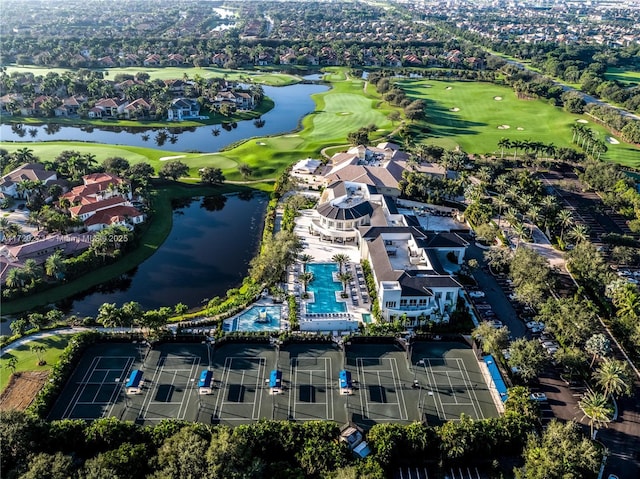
[(207, 252), (292, 103)]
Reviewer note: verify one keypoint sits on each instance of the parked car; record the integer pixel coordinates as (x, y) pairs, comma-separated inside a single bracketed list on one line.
[(476, 294), (496, 323), (540, 397)]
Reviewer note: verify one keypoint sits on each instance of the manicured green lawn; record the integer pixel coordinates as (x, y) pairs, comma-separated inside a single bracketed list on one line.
[(27, 359), (622, 75), (170, 73), (475, 126)]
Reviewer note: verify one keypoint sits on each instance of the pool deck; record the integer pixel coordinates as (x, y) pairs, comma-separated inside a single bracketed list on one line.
[(322, 252)]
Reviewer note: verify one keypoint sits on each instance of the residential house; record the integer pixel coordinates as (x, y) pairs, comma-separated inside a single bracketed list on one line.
[(183, 108), (9, 102), (137, 109), (9, 183), (98, 187), (14, 256), (107, 107), (152, 60), (103, 200)]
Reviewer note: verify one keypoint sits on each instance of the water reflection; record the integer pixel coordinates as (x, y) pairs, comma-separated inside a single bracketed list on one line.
[(291, 104), (197, 260)]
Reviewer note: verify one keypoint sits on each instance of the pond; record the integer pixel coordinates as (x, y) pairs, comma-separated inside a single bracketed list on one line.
[(292, 103), (196, 262)]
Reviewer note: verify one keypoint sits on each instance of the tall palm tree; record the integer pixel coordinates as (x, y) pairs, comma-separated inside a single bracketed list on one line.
[(565, 218), (305, 278), (614, 377), (341, 259), (344, 278), (595, 406), (304, 259), (502, 144), (54, 264), (521, 232)]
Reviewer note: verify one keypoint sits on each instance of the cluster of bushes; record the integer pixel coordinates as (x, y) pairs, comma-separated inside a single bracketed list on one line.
[(371, 289)]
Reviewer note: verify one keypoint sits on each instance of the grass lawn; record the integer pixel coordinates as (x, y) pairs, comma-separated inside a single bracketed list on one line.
[(466, 114), (171, 73), (27, 359), (622, 75)]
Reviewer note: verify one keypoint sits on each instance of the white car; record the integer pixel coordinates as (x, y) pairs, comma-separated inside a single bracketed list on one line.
[(476, 294), (535, 325), (538, 397), (496, 323)]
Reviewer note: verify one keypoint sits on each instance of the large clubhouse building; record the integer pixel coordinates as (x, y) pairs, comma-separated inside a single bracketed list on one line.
[(411, 264)]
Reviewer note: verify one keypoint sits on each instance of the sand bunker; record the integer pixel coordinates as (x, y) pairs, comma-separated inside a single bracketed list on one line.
[(167, 158), (448, 88), (612, 141), (497, 98), (454, 109), (503, 127), (427, 86), (582, 121), (519, 128), (346, 113), (261, 143)]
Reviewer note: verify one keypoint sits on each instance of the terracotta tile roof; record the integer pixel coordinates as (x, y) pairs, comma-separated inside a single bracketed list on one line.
[(112, 215), (96, 205)]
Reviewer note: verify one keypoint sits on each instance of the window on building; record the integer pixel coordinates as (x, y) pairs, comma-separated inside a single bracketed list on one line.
[(403, 302), (390, 304), (413, 302)]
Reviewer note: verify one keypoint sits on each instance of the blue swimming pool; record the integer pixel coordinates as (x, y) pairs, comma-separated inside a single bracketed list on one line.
[(257, 318), (324, 289)]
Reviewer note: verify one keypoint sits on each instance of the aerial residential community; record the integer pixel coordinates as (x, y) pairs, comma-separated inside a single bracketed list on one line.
[(320, 239)]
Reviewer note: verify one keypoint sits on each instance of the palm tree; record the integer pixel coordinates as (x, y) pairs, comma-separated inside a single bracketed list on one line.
[(614, 377), (304, 259), (12, 364), (579, 233), (565, 218), (344, 278), (341, 259), (595, 406), (305, 278), (15, 278), (31, 271), (109, 315), (521, 232), (54, 264), (502, 144), (627, 302), (516, 144), (5, 225)]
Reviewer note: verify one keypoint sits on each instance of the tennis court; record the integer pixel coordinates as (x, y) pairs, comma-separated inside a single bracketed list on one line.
[(312, 379), (96, 387), (382, 384), (450, 382), (243, 396), (170, 386)]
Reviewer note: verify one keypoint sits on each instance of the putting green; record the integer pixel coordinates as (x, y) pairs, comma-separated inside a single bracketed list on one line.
[(482, 121)]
